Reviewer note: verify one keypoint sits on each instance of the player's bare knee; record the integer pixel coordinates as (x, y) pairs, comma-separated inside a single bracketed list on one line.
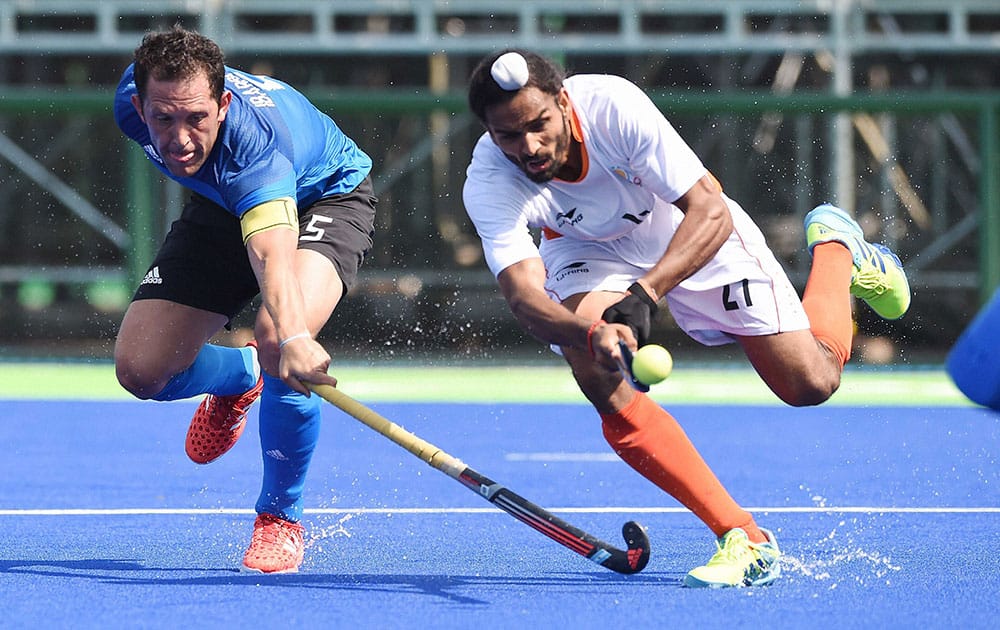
[(811, 390), (142, 386), (139, 378)]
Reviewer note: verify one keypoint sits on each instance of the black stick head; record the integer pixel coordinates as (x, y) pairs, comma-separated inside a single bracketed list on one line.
[(637, 556), (638, 545)]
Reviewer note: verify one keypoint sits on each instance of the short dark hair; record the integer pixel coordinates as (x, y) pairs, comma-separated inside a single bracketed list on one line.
[(179, 54), (484, 92)]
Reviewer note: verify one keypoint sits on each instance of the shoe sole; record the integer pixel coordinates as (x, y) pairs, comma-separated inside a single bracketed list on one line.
[(693, 582), (197, 457), (690, 582), (245, 569), (236, 430)]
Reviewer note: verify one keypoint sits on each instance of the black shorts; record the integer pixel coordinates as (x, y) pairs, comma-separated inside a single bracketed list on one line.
[(203, 262)]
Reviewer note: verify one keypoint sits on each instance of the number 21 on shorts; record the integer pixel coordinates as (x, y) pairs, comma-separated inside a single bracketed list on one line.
[(729, 300)]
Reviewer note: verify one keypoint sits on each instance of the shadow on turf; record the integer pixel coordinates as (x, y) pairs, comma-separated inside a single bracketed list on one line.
[(134, 572)]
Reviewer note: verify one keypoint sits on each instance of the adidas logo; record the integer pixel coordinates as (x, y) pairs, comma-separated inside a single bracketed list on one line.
[(152, 277)]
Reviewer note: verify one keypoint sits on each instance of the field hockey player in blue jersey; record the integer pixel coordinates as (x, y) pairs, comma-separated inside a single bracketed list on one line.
[(280, 205)]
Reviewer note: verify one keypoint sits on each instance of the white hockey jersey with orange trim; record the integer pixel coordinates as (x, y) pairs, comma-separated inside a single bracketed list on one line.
[(635, 165)]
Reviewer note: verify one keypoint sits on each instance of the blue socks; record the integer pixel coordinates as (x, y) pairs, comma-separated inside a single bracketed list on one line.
[(289, 431), (289, 421), (216, 370)]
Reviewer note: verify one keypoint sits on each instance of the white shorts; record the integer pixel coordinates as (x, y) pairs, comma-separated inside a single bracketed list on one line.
[(742, 291)]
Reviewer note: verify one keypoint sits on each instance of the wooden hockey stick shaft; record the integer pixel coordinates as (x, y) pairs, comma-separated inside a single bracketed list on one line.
[(632, 560)]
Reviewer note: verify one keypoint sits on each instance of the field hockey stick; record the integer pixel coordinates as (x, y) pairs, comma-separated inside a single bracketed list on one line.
[(625, 365), (631, 561)]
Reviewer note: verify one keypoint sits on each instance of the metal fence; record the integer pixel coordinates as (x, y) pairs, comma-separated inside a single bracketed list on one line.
[(889, 107), (925, 184)]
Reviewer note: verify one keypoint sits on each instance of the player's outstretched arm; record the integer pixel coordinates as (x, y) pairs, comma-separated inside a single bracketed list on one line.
[(272, 255), (522, 285)]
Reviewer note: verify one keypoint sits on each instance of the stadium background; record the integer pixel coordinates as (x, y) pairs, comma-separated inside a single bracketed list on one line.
[(889, 107)]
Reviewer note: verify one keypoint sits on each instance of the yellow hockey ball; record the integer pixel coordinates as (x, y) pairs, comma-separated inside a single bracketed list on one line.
[(651, 364)]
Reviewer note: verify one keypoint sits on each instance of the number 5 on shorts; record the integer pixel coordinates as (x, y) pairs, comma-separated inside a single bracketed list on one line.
[(312, 231)]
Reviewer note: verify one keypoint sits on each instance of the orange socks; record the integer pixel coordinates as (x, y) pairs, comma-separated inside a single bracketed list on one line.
[(654, 444), (827, 298)]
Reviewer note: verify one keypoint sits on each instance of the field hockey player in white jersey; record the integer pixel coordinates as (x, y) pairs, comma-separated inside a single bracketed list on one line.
[(629, 216)]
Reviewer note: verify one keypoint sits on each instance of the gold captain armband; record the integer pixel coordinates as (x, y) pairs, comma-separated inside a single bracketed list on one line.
[(278, 213)]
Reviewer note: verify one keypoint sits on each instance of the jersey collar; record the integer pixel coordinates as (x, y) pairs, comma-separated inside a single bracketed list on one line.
[(576, 130)]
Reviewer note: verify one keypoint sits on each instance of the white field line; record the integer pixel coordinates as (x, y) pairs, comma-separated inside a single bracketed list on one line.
[(489, 510)]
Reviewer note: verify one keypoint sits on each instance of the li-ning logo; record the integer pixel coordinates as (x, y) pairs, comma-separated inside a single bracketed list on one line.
[(571, 218), (152, 277), (570, 269)]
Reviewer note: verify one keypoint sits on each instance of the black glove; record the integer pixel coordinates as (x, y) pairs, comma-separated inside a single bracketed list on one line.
[(636, 310)]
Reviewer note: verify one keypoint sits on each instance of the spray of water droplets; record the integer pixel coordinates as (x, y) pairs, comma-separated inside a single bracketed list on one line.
[(837, 557), (316, 536)]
